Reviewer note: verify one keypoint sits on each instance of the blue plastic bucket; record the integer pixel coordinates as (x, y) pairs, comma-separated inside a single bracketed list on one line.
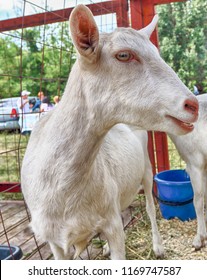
[(175, 195), (10, 253)]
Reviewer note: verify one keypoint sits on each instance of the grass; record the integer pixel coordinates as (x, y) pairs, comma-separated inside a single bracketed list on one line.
[(175, 161), (12, 149)]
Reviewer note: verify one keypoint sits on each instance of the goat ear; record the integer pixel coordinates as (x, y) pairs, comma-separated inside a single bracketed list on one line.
[(84, 32), (150, 27)]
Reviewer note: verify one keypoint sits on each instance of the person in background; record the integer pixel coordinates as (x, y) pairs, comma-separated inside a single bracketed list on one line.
[(197, 89), (23, 102), (37, 105), (32, 103), (23, 108), (56, 100), (46, 105), (41, 95)]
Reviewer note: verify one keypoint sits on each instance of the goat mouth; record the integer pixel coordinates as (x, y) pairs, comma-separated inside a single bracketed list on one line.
[(186, 126)]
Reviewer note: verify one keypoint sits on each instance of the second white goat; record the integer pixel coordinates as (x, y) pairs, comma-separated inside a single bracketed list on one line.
[(193, 150)]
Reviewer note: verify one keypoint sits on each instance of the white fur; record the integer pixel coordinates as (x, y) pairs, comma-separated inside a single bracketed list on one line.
[(193, 150), (82, 166)]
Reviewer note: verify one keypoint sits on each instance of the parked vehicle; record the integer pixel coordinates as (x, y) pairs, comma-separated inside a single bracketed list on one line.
[(9, 114)]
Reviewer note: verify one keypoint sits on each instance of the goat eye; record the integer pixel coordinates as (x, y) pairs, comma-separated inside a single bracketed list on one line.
[(124, 56)]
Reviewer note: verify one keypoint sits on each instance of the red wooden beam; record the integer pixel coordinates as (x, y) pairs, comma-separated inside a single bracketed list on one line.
[(148, 11), (158, 2), (122, 13), (7, 187), (160, 138), (142, 12), (101, 8), (162, 155), (136, 14)]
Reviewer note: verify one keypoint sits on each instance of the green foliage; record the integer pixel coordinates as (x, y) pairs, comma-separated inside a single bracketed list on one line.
[(36, 59), (12, 149), (183, 39), (41, 58)]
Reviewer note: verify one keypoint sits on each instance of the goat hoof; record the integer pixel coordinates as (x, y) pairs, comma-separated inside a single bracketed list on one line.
[(106, 250), (159, 251), (199, 242)]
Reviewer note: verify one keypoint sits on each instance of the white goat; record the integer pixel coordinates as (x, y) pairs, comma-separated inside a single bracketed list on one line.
[(82, 166), (193, 150)]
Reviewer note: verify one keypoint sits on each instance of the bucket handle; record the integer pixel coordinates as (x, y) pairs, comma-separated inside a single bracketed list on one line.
[(172, 203)]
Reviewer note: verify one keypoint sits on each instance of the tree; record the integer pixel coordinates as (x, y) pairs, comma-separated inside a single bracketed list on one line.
[(9, 69), (40, 58), (183, 39)]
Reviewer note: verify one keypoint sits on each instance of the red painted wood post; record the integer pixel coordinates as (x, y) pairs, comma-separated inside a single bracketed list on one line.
[(162, 154), (161, 145), (142, 12), (136, 14), (137, 23), (122, 13)]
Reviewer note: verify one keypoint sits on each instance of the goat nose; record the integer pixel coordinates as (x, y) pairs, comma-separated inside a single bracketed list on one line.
[(191, 105)]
